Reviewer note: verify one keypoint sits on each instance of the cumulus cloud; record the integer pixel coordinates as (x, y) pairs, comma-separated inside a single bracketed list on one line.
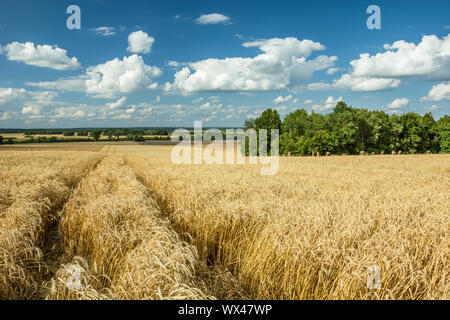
[(173, 64), (398, 104), (17, 96), (117, 104), (105, 31), (34, 110), (438, 92), (110, 79), (7, 115), (350, 82), (74, 112), (10, 94), (213, 18), (76, 84), (140, 42), (281, 99), (428, 60), (117, 76), (330, 103), (283, 63), (131, 109), (332, 71), (40, 56)]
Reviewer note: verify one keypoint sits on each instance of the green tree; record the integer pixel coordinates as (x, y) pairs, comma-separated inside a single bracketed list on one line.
[(381, 132), (397, 128), (117, 133), (95, 134), (443, 132), (296, 123), (430, 139), (269, 119), (138, 138), (249, 124), (345, 132), (411, 141), (317, 141)]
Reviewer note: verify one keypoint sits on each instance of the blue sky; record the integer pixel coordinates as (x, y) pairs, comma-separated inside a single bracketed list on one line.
[(154, 63)]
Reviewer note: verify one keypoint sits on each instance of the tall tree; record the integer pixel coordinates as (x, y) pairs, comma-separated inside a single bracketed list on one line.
[(443, 132), (95, 134)]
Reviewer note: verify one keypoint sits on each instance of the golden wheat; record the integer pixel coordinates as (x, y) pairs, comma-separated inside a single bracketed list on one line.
[(313, 230), (131, 252), (33, 187), (139, 227)]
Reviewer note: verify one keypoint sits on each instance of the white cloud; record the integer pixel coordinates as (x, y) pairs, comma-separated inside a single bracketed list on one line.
[(16, 97), (132, 109), (116, 105), (105, 31), (74, 112), (35, 110), (428, 60), (349, 82), (330, 103), (398, 104), (281, 99), (332, 71), (140, 42), (109, 80), (213, 18), (76, 84), (117, 77), (308, 101), (282, 110), (198, 100), (10, 94), (7, 115), (282, 64), (438, 92), (40, 56), (173, 64)]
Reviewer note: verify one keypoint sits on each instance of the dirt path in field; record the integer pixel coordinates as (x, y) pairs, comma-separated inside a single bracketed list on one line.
[(213, 279), (52, 252)]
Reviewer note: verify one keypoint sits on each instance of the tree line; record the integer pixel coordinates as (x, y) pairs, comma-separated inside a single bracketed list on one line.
[(348, 130), (123, 134)]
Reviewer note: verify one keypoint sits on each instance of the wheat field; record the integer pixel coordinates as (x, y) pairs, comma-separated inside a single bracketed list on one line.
[(136, 226)]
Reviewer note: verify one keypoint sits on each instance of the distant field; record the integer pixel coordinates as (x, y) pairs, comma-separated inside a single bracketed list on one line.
[(137, 226), (21, 136), (61, 146)]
